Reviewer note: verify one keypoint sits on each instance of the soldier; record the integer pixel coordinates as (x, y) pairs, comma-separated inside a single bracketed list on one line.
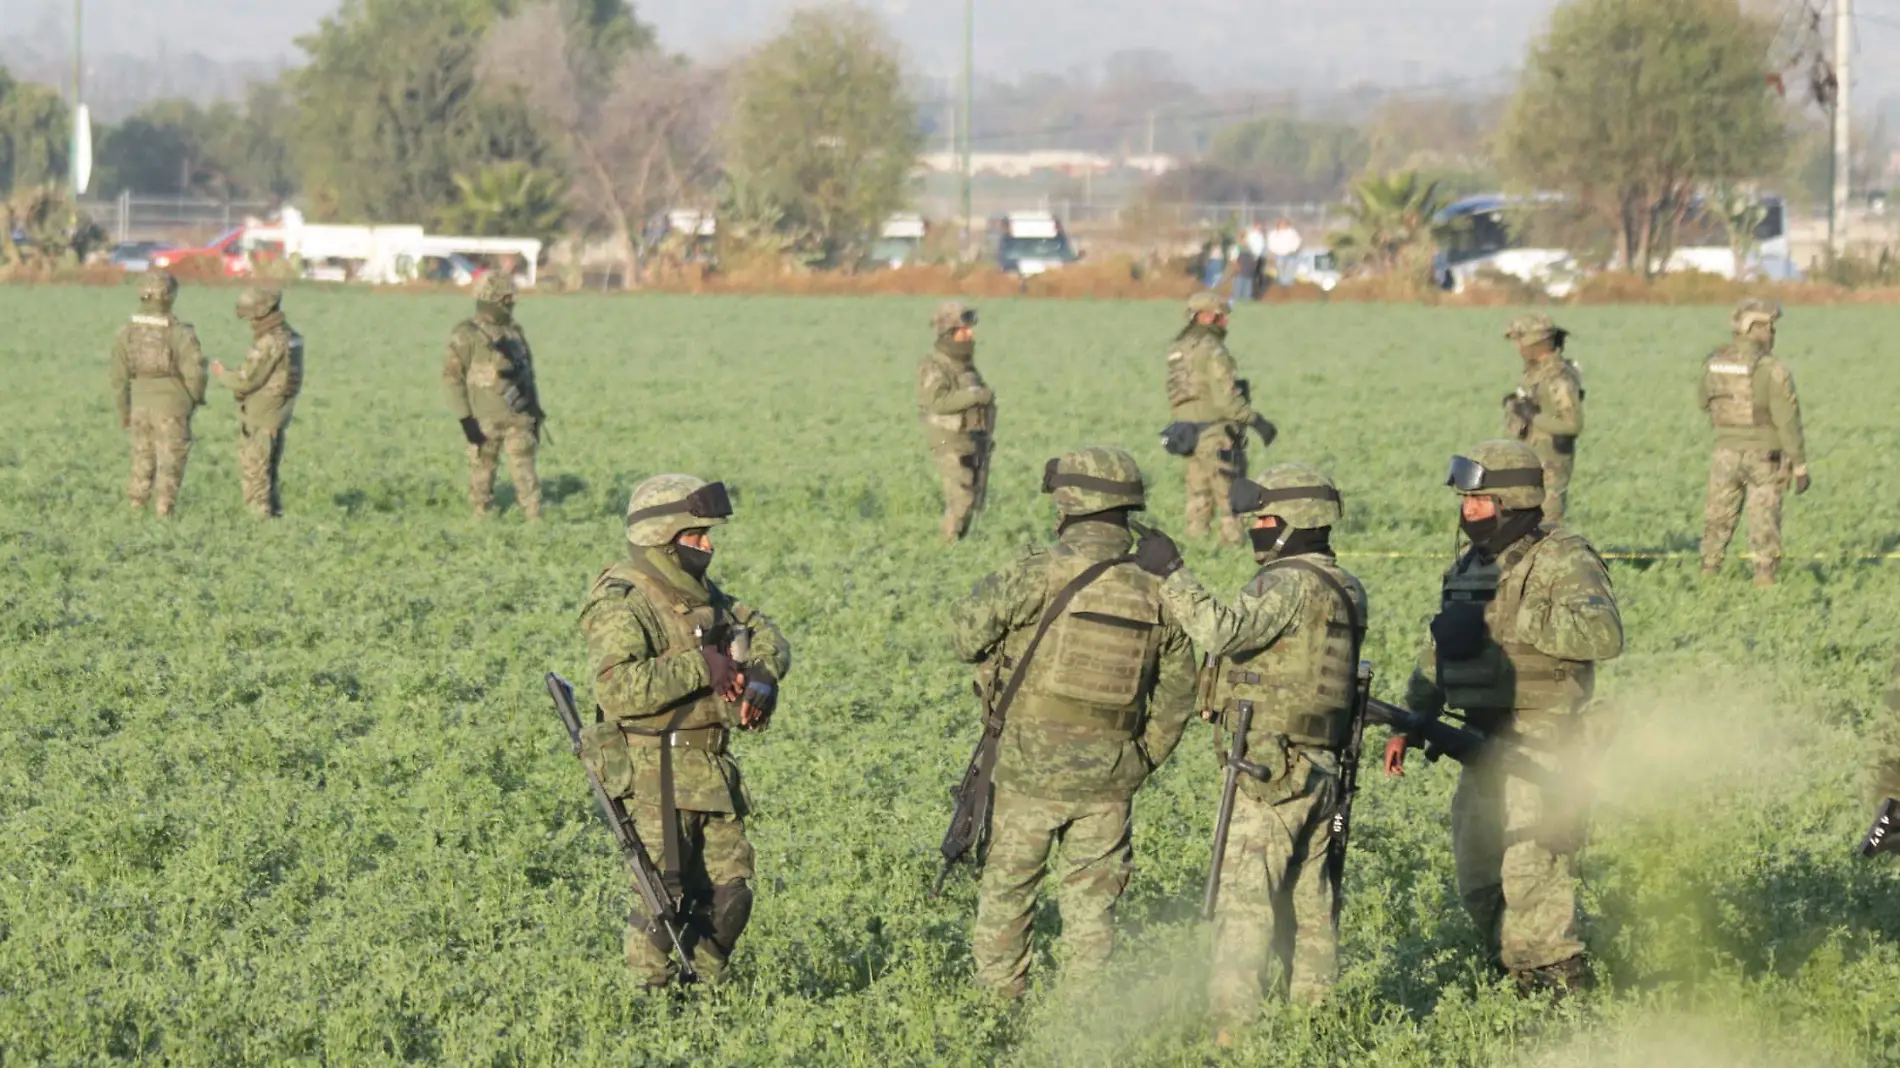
[(1759, 448), (1546, 410), (1204, 394), (959, 416), (488, 381), (678, 663), (1289, 649), (266, 389), (1525, 615), (158, 379), (1101, 704)]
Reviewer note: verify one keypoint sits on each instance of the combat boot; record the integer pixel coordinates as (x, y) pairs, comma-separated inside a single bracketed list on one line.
[(1559, 980), (1764, 577)]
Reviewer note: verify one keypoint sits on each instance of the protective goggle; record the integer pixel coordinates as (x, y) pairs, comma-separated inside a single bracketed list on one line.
[(707, 502), (1249, 498), (968, 318), (1470, 476), (1053, 480)]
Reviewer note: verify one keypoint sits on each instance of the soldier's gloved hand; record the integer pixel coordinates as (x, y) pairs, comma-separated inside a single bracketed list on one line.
[(761, 697), (723, 672), (1800, 480), (472, 430), (1156, 553), (1266, 430)]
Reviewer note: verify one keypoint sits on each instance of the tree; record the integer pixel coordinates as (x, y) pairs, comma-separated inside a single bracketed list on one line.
[(635, 126), (823, 127), (1389, 222), (35, 134), (1631, 105), (1291, 159), (508, 200)]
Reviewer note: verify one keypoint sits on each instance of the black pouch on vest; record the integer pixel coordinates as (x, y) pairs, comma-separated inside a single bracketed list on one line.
[(1565, 444), (1181, 439), (1459, 630)]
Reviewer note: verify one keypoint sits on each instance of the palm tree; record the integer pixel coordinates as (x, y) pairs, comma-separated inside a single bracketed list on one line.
[(1389, 221), (509, 199)]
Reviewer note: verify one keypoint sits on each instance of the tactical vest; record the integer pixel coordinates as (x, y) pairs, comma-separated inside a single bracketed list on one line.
[(504, 367), (1507, 673), (149, 347), (973, 419), (1092, 669), (686, 623), (293, 366), (1184, 386), (1729, 383), (1302, 685)]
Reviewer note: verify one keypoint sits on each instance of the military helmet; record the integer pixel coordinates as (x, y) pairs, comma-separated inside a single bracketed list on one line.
[(1753, 312), (158, 287), (1094, 480), (1301, 495), (950, 315), (495, 287), (1534, 328), (1505, 469), (1208, 301), (665, 505), (258, 301)]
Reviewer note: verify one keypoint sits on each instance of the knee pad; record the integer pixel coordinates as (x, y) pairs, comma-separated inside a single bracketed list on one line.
[(731, 911)]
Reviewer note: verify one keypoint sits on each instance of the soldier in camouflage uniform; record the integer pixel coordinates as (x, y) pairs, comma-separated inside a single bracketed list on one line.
[(679, 663), (959, 414), (266, 389), (1103, 702), (1203, 391), (1288, 647), (1526, 614), (158, 379), (1759, 448), (1546, 410), (488, 382)]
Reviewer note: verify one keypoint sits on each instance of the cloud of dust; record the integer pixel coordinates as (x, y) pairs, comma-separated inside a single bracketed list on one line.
[(1155, 987), (1657, 1039)]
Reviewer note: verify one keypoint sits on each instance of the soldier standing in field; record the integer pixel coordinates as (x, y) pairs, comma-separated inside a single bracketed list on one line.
[(1749, 396), (266, 388), (488, 382), (1204, 394), (678, 664), (1546, 410), (1287, 652), (1525, 616), (1100, 704), (158, 379), (959, 416)]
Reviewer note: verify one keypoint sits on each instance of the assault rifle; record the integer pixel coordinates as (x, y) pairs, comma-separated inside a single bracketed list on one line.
[(1237, 765), (1348, 785), (1460, 743), (1884, 835), (654, 895), (980, 474)]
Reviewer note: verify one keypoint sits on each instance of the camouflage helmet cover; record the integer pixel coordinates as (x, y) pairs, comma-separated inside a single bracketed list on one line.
[(495, 287), (158, 287), (1533, 328), (1753, 312), (257, 302), (1502, 468), (950, 315), (1301, 495), (1207, 301), (1093, 480), (664, 506)]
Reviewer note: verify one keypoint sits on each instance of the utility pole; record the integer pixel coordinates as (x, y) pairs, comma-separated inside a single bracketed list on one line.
[(969, 91), (1843, 117)]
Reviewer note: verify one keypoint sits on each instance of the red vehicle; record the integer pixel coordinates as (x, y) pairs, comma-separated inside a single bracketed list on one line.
[(235, 255)]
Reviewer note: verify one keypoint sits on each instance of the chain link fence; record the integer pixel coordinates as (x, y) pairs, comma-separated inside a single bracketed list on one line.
[(181, 220)]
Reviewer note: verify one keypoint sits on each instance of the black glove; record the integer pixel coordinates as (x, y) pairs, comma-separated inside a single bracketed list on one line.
[(472, 430), (1156, 553), (722, 672), (1266, 430), (1800, 481)]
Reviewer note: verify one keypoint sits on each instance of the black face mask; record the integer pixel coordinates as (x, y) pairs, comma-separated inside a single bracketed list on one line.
[(956, 350), (693, 561), (1299, 542), (1494, 535)]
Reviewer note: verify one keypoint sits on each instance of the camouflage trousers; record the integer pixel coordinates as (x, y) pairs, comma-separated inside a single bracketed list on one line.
[(1276, 896), (957, 470), (1557, 471), (1515, 844), (516, 437), (1219, 459), (716, 863), (1085, 845), (260, 456), (160, 446), (1737, 476)]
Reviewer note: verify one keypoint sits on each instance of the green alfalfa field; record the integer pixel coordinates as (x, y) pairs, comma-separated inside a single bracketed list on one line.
[(293, 793)]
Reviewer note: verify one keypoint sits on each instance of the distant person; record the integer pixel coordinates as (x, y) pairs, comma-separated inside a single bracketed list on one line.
[(958, 412), (158, 380), (1256, 261), (1283, 244), (1760, 450), (266, 388), (1546, 410), (1246, 263), (1211, 409), (1214, 263), (489, 384)]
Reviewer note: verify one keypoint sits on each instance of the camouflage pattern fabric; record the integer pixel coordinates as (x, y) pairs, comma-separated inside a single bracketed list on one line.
[(956, 409), (513, 435), (1275, 914), (1737, 478), (1203, 388), (1220, 457), (160, 446), (1085, 846), (1554, 387), (266, 388), (260, 455), (718, 864), (1769, 386), (1887, 770), (956, 471)]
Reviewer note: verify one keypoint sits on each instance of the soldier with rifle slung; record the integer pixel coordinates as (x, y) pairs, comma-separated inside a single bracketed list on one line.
[(1092, 684), (959, 417), (677, 663), (1211, 408), (1526, 614), (1282, 680)]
